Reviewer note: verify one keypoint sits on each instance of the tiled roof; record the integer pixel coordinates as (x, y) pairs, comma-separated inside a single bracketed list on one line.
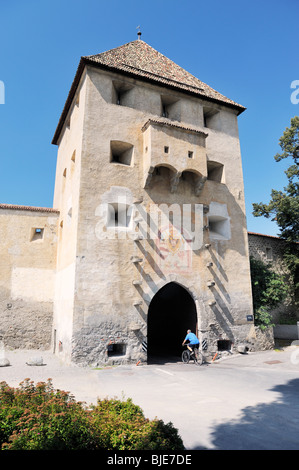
[(177, 125), (139, 60), (28, 208)]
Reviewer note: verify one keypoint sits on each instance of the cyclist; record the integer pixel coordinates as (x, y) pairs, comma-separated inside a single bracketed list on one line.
[(193, 341)]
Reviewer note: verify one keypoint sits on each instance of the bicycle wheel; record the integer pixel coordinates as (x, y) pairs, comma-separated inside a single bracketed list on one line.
[(185, 356), (198, 359)]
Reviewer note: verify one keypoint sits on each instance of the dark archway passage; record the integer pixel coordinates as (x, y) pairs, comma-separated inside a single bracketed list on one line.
[(171, 312)]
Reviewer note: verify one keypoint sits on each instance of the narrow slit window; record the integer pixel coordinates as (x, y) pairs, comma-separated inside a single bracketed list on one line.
[(269, 255), (166, 149)]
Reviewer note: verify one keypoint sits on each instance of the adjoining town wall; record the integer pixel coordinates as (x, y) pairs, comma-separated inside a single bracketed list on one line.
[(27, 275), (270, 250)]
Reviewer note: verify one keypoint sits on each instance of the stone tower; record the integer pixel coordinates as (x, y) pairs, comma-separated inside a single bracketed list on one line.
[(152, 231)]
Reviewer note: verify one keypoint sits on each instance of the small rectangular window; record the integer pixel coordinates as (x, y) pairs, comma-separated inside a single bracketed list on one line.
[(37, 234), (121, 152), (166, 149), (215, 171), (190, 154), (116, 349)]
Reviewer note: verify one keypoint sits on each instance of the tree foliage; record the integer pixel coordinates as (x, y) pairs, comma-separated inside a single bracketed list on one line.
[(283, 207), (269, 289)]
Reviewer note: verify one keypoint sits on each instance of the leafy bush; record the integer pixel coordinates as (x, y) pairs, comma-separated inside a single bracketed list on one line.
[(40, 418), (37, 417), (268, 290), (122, 425)]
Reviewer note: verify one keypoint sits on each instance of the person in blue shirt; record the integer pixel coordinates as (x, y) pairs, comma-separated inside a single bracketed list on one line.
[(193, 341)]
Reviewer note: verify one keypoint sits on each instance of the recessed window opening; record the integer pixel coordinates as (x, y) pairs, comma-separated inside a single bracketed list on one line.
[(37, 234), (73, 157), (219, 227), (224, 345), (166, 149), (64, 172), (116, 349), (269, 255), (215, 171), (121, 152), (164, 111), (211, 118), (190, 154), (170, 107), (119, 215), (121, 93)]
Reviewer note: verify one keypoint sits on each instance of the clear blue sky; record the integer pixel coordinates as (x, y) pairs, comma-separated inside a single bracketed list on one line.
[(247, 50)]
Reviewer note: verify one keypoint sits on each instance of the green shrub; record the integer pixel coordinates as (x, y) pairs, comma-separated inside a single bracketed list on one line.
[(37, 417), (121, 425), (40, 418)]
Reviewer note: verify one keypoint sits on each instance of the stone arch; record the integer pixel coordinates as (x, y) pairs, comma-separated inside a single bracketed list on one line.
[(172, 310)]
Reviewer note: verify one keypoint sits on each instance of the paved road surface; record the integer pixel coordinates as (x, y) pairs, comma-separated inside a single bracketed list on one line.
[(242, 402)]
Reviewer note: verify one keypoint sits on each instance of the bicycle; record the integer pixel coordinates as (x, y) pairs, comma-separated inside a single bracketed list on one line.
[(195, 355)]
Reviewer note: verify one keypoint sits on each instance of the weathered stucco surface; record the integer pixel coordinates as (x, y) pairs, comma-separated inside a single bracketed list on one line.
[(108, 295), (27, 274)]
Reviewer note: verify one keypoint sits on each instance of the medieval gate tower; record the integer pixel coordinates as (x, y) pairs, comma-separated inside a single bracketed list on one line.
[(152, 235)]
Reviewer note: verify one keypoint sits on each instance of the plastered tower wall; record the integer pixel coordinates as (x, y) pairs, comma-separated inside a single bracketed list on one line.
[(132, 159), (66, 197), (27, 275)]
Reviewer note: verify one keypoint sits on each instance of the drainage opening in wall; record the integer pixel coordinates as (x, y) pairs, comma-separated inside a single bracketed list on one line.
[(224, 345), (116, 349)]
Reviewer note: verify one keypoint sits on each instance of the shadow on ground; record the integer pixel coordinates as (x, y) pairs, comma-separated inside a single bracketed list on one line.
[(267, 426)]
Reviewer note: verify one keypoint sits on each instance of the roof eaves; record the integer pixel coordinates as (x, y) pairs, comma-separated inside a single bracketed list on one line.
[(173, 84), (142, 75), (69, 100)]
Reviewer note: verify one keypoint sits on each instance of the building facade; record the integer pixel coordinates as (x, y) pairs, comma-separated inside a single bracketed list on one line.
[(150, 231)]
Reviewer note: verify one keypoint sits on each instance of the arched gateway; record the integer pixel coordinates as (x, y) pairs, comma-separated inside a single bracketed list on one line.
[(171, 312)]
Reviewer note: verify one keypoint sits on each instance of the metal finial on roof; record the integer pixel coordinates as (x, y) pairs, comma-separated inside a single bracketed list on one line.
[(139, 32)]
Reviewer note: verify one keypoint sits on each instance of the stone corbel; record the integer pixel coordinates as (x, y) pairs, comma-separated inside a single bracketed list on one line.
[(200, 184), (174, 182), (149, 176)]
